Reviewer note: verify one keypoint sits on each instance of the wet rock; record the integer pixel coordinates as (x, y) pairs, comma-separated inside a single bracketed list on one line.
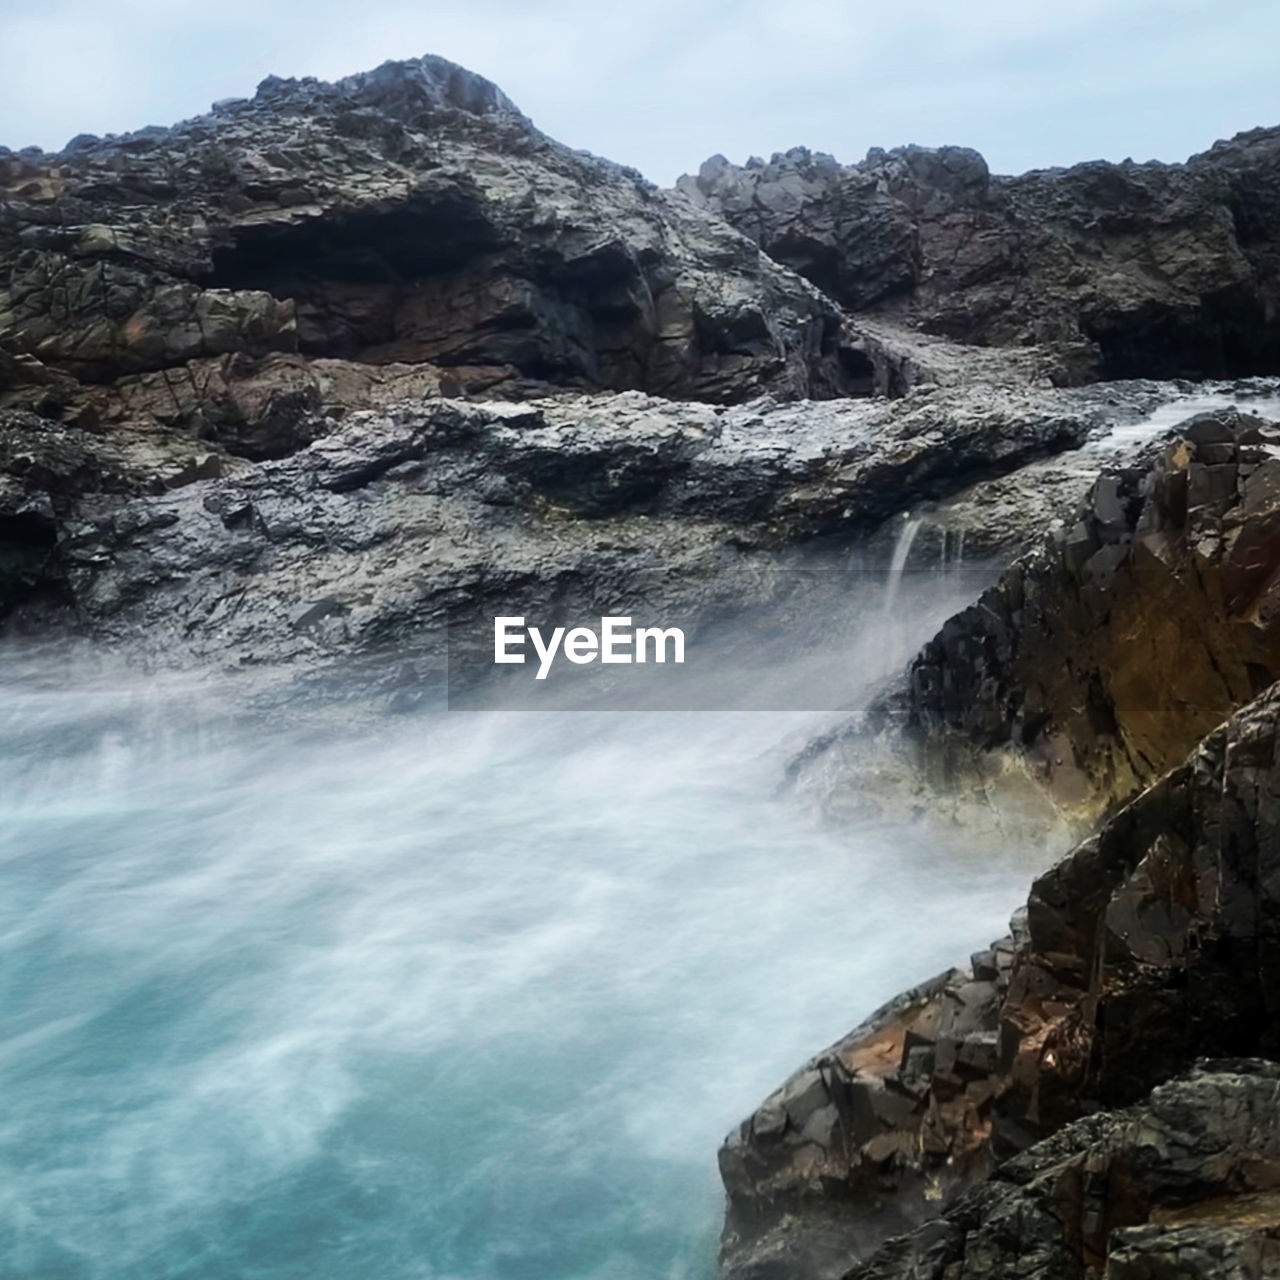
[(1179, 1186), (1107, 652), (28, 538), (1148, 947), (401, 510)]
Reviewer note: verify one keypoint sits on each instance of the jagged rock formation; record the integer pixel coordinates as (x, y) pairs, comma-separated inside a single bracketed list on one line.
[(1181, 1187), (410, 215), (179, 305), (1000, 517), (1127, 271), (1165, 586), (301, 378), (1129, 629), (1151, 945)]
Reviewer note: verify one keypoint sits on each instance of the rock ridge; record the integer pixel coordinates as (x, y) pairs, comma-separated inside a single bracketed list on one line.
[(410, 214), (395, 511), (1126, 270)]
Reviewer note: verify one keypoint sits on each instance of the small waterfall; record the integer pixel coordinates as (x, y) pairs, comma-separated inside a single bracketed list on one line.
[(952, 549), (911, 526)]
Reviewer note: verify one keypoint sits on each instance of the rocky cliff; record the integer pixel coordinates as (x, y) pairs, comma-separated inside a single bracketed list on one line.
[(193, 311), (409, 215), (207, 331), (1148, 947), (1109, 651), (361, 542), (1126, 271), (1119, 644)]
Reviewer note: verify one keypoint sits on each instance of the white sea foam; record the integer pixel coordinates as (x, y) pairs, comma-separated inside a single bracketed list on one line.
[(466, 995)]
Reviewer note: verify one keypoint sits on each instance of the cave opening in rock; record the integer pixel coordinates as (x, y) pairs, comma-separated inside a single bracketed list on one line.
[(1228, 335), (350, 275), (27, 549), (430, 281), (436, 280), (28, 530), (420, 238), (857, 370)]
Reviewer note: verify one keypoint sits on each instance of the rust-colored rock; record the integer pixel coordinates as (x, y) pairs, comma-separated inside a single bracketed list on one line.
[(1156, 942), (1109, 651)]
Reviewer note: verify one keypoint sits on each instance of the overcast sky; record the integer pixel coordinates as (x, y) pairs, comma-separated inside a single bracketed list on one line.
[(664, 84)]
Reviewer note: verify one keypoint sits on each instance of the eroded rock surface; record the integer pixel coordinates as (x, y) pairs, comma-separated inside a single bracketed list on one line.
[(393, 514), (1109, 651), (1180, 1187), (1132, 626), (408, 215), (1124, 270), (1153, 944)]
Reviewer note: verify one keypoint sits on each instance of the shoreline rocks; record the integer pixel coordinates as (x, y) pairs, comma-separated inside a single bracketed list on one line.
[(394, 513), (1164, 583), (1101, 654), (1148, 947), (288, 385)]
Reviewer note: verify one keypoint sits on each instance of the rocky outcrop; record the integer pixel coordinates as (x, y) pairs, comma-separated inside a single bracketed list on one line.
[(1109, 651), (303, 381), (410, 215), (998, 518), (199, 318), (1152, 944), (1181, 1187), (1125, 270), (1130, 628), (395, 513)]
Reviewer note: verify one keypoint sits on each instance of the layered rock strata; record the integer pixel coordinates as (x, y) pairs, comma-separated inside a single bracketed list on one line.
[(393, 514), (1109, 651), (408, 215), (1098, 657)]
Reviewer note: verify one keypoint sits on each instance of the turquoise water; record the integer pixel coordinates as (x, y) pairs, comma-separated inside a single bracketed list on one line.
[(449, 996)]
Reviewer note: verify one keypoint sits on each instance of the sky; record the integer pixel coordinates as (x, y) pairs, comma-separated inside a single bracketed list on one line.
[(665, 84)]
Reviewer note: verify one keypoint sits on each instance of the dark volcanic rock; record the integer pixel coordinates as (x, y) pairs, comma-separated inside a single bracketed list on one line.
[(395, 513), (407, 215), (1181, 1187), (204, 307), (299, 380), (1152, 944), (1129, 270), (1109, 651), (1131, 628)]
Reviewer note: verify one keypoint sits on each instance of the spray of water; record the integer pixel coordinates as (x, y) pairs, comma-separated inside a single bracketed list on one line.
[(454, 995)]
